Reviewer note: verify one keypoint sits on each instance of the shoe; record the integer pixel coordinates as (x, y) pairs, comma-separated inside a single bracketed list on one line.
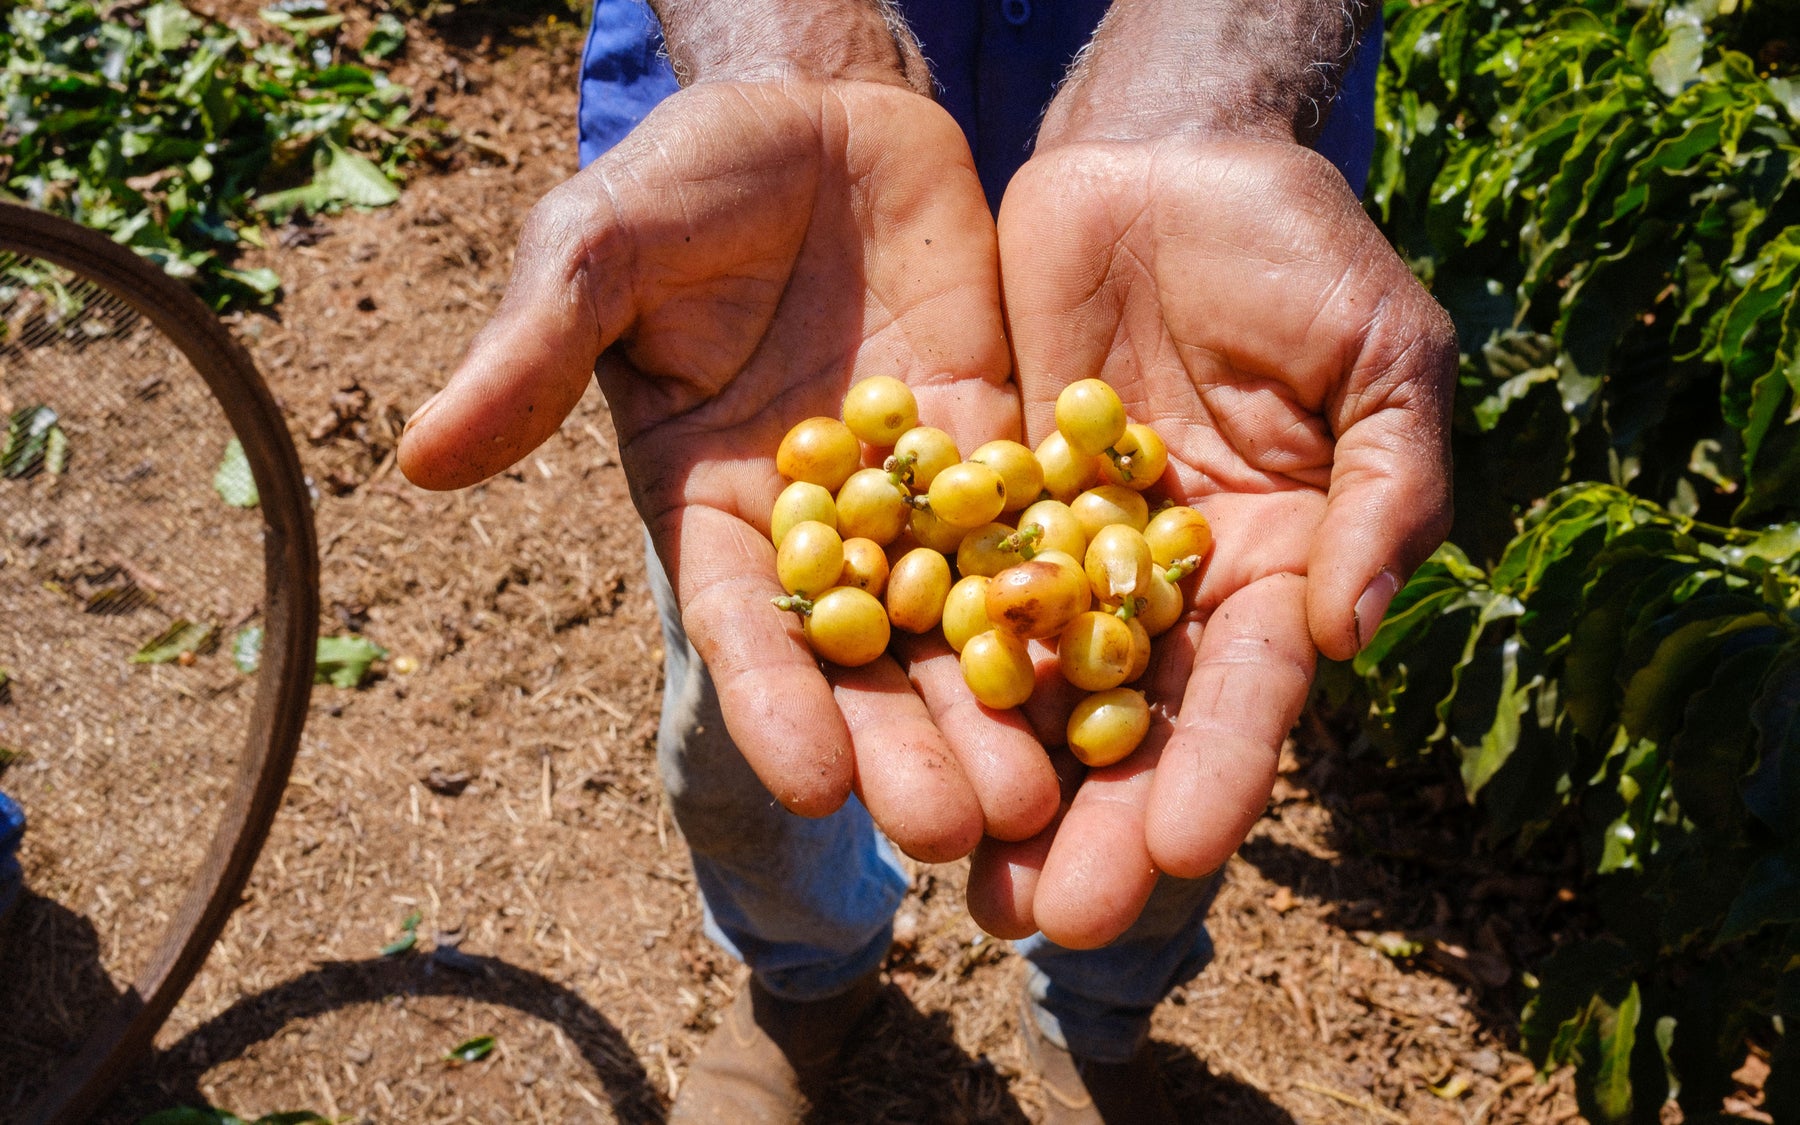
[(1083, 1092), (768, 1059)]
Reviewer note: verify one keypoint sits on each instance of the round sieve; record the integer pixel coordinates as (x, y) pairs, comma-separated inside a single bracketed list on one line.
[(158, 617)]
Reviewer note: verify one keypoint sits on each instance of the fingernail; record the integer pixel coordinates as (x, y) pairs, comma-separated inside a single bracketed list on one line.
[(420, 412), (1373, 604)]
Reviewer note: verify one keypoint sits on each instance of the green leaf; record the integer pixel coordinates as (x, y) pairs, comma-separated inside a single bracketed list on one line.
[(1657, 692), (25, 448), (344, 661), (471, 1050), (1616, 1033), (302, 19), (1771, 896), (183, 637), (386, 37), (1677, 62), (158, 126), (264, 282), (1776, 543), (1490, 691), (56, 451), (1709, 758), (340, 177), (246, 649), (1772, 451), (409, 936), (1567, 981), (354, 179), (169, 25), (232, 480), (1772, 792)]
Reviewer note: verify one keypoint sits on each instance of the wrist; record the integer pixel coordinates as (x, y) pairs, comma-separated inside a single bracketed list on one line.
[(822, 40), (1208, 68)]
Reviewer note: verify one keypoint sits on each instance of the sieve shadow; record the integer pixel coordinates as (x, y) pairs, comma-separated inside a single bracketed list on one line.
[(173, 1075)]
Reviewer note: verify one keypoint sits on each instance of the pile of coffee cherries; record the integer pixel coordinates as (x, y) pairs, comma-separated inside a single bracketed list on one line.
[(997, 549)]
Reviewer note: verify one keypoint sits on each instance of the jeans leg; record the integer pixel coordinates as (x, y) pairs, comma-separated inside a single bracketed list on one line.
[(1097, 1002), (807, 904)]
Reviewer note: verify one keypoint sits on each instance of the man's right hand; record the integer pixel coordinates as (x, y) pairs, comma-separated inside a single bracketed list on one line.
[(729, 269)]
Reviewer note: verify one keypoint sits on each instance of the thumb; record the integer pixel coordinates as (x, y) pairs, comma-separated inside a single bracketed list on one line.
[(1389, 504), (567, 302)]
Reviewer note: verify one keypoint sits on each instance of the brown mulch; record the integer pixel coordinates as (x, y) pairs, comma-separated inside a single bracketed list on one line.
[(1368, 955)]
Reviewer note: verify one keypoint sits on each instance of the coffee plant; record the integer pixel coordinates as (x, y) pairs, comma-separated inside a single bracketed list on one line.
[(1604, 196), (182, 138)]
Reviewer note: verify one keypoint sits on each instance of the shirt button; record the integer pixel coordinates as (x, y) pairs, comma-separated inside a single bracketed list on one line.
[(1017, 12)]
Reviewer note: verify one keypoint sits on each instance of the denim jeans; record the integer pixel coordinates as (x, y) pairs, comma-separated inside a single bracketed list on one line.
[(809, 904)]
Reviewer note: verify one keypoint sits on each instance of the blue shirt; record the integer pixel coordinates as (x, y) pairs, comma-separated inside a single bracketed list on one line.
[(996, 63)]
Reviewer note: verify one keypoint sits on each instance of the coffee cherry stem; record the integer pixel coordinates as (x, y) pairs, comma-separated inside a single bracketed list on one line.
[(1130, 608), (1181, 568), (1023, 542), (1121, 461), (899, 467), (795, 602)]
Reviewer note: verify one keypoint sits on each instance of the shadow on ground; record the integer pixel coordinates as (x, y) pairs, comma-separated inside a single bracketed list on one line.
[(53, 989), (1411, 862), (173, 1076), (907, 1069)]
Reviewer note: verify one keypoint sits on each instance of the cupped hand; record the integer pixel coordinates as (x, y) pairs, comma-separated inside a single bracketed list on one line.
[(729, 269), (1240, 301)]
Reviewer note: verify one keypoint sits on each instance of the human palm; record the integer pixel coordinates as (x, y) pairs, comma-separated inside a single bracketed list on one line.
[(1238, 299), (730, 268)]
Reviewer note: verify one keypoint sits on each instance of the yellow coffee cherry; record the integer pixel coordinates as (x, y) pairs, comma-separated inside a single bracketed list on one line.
[(1018, 468), (801, 501), (879, 409), (820, 450), (1108, 725), (917, 586), (926, 451), (1109, 504), (965, 611)]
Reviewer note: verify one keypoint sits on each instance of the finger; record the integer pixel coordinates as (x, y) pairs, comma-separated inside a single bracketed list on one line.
[(999, 755), (906, 775), (1098, 874), (1003, 878), (778, 707), (568, 300), (1003, 875), (1252, 667), (1389, 501)]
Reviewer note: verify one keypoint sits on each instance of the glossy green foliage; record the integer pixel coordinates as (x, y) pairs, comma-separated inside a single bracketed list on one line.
[(1638, 674), (1603, 195), (179, 137)]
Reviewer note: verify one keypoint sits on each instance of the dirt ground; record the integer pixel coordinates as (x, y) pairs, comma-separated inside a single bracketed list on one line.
[(505, 789)]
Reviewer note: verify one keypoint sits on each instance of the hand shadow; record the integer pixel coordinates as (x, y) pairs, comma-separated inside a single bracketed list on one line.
[(906, 1067)]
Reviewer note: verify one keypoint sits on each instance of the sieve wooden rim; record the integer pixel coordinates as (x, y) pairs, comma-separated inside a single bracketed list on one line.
[(291, 623)]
